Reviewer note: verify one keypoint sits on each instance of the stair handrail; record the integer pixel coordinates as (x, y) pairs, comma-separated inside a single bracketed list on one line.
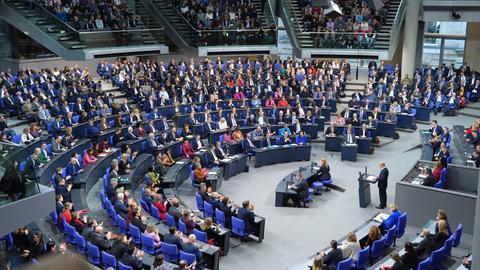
[(292, 15), (152, 3), (396, 27), (296, 43)]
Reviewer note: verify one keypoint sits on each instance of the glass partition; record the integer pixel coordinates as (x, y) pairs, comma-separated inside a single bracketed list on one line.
[(444, 42)]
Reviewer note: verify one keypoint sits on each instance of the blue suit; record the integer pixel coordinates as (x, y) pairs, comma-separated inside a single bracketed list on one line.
[(72, 170), (301, 140), (392, 220), (56, 126)]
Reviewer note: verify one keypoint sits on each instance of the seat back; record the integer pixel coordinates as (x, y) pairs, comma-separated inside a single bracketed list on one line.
[(16, 139), (377, 248), (363, 256), (390, 237), (448, 246), (122, 266), (108, 261), (103, 197), (155, 212), (170, 220), (220, 217), (238, 227), (345, 264), (198, 198), (93, 255), (170, 252), (208, 210), (401, 225), (147, 244), (436, 258), (182, 227), (190, 258), (201, 236), (425, 265), (145, 206), (135, 233), (458, 235), (69, 232), (81, 245), (122, 224), (54, 217)]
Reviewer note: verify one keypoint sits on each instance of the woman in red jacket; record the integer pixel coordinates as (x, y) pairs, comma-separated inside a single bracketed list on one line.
[(437, 169), (161, 206)]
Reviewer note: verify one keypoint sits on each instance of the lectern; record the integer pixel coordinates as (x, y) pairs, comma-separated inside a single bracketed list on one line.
[(364, 181)]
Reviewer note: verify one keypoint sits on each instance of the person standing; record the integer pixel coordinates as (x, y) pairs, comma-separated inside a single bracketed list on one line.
[(382, 181)]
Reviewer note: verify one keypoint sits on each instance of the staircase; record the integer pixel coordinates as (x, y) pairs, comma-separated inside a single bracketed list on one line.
[(306, 40)]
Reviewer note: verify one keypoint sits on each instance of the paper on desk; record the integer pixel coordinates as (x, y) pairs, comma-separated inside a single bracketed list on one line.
[(180, 162), (381, 217), (371, 178), (211, 173)]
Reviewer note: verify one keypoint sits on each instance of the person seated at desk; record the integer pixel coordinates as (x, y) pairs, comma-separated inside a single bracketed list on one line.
[(187, 150), (475, 156), (152, 143), (187, 220), (57, 125), (213, 158), (285, 139), (209, 229), (204, 193), (130, 135), (190, 247), (355, 121), (124, 166), (351, 248), (430, 180), (376, 114), (410, 257), (152, 232), (318, 263), (332, 130), (442, 233), (392, 220), (222, 124), (258, 133), (220, 151), (442, 155), (391, 117), (237, 135), (280, 119), (364, 132), (301, 188), (114, 170), (373, 235), (442, 215), (246, 214), (227, 136), (436, 170), (74, 168), (346, 115), (120, 245), (251, 121), (198, 144), (339, 120), (283, 129), (103, 124), (139, 130), (167, 158), (371, 122), (133, 258), (474, 138), (301, 138), (104, 146), (247, 144), (43, 157), (425, 247), (173, 237), (333, 257), (26, 137), (200, 173), (187, 131), (119, 205), (397, 263), (92, 131), (349, 135), (88, 157)]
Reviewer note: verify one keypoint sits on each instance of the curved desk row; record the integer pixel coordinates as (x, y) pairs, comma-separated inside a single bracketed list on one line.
[(281, 154), (282, 191)]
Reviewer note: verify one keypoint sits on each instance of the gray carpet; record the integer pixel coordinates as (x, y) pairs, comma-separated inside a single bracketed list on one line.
[(292, 235)]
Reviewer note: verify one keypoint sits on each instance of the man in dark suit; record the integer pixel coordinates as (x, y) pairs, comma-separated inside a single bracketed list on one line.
[(382, 180), (349, 134), (153, 143), (332, 258), (213, 159), (64, 191), (247, 144), (426, 246), (331, 130), (92, 131), (131, 260), (119, 205), (130, 135), (246, 214), (197, 143), (220, 151), (430, 180), (191, 248), (223, 207), (99, 239), (301, 189), (435, 127), (172, 238)]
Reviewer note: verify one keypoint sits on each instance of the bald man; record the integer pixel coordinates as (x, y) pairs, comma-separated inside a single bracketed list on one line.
[(382, 185)]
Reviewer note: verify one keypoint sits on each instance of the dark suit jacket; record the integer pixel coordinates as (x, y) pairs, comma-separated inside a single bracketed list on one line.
[(130, 260), (329, 131), (192, 249), (425, 247), (383, 178), (301, 189), (332, 259), (100, 241), (429, 181), (227, 211), (172, 239), (120, 208), (248, 217)]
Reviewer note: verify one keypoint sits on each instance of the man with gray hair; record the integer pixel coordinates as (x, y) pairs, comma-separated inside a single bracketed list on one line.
[(191, 248), (382, 181), (426, 246)]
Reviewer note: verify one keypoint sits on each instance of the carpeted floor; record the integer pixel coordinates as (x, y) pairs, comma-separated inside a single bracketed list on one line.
[(292, 235)]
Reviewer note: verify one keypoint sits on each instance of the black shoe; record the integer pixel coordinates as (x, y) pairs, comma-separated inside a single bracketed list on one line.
[(380, 207), (306, 206)]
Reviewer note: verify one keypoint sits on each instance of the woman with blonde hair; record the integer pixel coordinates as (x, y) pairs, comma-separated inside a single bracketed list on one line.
[(318, 263), (442, 233), (351, 248), (124, 165), (442, 215)]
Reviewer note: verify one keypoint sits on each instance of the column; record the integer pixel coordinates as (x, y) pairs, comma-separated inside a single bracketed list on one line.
[(476, 234), (410, 33)]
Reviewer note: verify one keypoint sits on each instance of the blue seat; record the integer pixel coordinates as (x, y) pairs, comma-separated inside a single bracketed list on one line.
[(103, 198), (147, 179), (69, 231), (145, 206), (401, 225), (170, 220), (327, 182), (220, 218), (108, 261), (309, 196), (112, 214), (54, 217), (81, 244), (93, 255), (377, 249), (155, 212), (135, 233), (49, 149), (317, 186), (458, 235), (192, 178), (345, 264), (76, 118), (390, 236), (148, 245), (448, 246), (16, 139), (208, 210), (170, 252), (201, 236), (122, 266), (238, 227), (9, 240), (198, 201), (190, 258), (362, 262), (449, 159), (436, 258), (122, 224), (425, 265), (22, 166), (182, 227)]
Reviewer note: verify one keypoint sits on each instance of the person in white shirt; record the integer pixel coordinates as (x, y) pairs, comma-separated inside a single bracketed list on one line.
[(26, 137), (222, 124)]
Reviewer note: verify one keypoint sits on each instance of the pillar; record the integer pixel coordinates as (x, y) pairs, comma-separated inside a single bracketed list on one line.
[(409, 55), (420, 34), (476, 233)]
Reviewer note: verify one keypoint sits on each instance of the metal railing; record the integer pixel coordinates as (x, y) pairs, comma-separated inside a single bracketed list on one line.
[(396, 27), (350, 40)]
